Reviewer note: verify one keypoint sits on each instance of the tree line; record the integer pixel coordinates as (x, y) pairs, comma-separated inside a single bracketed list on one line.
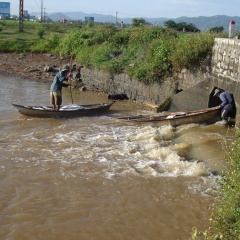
[(180, 27)]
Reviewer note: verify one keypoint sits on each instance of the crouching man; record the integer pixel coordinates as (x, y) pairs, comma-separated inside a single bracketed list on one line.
[(227, 106)]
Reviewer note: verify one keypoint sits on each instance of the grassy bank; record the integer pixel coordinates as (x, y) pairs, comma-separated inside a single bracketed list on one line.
[(145, 53), (225, 220)]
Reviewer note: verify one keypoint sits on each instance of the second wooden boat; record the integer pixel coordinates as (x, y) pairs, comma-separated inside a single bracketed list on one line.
[(174, 119)]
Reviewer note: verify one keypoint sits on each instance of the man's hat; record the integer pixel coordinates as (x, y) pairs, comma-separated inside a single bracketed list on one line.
[(216, 91), (65, 68)]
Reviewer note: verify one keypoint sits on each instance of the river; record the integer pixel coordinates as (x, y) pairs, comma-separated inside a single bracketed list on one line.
[(101, 179)]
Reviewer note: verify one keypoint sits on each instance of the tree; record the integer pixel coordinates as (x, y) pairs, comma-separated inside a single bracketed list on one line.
[(170, 24), (182, 26), (217, 29), (137, 22)]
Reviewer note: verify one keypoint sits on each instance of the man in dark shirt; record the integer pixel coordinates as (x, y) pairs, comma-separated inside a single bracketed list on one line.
[(226, 105), (56, 87)]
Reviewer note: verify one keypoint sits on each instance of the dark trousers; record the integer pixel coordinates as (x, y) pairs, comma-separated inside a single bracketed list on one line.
[(226, 111)]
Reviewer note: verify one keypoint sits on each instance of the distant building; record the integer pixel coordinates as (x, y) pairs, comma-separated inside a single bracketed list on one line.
[(5, 9), (32, 18), (14, 17), (63, 20), (26, 15)]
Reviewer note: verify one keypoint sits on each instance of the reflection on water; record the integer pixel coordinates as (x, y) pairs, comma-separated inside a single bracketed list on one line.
[(96, 178)]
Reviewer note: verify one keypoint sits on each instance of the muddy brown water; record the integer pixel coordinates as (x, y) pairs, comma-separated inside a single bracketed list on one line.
[(97, 178)]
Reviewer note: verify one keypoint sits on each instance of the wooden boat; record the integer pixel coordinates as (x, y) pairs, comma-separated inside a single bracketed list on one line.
[(69, 111), (174, 119)]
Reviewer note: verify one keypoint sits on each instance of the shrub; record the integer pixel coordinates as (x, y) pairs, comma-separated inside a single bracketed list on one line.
[(102, 54), (17, 47), (84, 56), (190, 49), (40, 32), (52, 43), (72, 42), (5, 46), (46, 45), (13, 46)]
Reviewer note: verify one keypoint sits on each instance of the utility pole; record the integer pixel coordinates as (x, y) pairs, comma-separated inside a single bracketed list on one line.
[(41, 11), (116, 18), (44, 16), (21, 17)]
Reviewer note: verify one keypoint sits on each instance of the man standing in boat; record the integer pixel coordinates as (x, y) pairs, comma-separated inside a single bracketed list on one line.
[(56, 87), (227, 106)]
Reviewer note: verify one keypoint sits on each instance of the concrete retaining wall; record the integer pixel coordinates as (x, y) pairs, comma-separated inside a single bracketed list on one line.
[(123, 84)]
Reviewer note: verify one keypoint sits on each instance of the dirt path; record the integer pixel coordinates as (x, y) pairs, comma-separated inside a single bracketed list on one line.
[(30, 66)]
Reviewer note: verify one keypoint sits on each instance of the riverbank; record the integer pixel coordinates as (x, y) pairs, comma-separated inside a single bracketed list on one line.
[(31, 66)]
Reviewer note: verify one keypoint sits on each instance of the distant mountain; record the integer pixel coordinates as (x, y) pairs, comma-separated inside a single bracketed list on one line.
[(202, 23), (100, 18), (57, 16), (81, 16)]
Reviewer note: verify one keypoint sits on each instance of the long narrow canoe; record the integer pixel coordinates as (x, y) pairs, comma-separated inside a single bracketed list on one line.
[(69, 111), (174, 119)]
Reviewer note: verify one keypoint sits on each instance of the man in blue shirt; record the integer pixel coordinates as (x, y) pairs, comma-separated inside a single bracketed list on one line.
[(227, 104), (56, 87)]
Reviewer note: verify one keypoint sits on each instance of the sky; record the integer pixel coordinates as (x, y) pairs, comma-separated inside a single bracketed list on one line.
[(134, 8)]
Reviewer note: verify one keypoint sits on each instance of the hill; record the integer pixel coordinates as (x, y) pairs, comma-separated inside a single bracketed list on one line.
[(204, 23), (201, 22)]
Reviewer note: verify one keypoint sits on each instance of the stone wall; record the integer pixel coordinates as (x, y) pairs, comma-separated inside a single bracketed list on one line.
[(122, 84), (226, 59), (152, 94), (225, 65)]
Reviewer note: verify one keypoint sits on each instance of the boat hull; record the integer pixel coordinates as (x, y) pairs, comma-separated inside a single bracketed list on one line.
[(48, 112), (178, 118)]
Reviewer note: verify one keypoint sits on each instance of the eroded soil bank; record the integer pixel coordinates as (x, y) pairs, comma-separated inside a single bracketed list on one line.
[(30, 66)]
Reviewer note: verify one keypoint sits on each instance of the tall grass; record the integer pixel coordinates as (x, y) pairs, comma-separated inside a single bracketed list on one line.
[(144, 53)]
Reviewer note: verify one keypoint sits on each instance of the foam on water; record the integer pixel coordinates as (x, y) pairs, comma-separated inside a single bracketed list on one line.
[(111, 150), (127, 149)]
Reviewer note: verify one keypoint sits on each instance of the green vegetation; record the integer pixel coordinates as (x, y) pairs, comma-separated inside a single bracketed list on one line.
[(182, 26), (144, 52), (40, 32), (137, 22), (225, 220), (217, 29)]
